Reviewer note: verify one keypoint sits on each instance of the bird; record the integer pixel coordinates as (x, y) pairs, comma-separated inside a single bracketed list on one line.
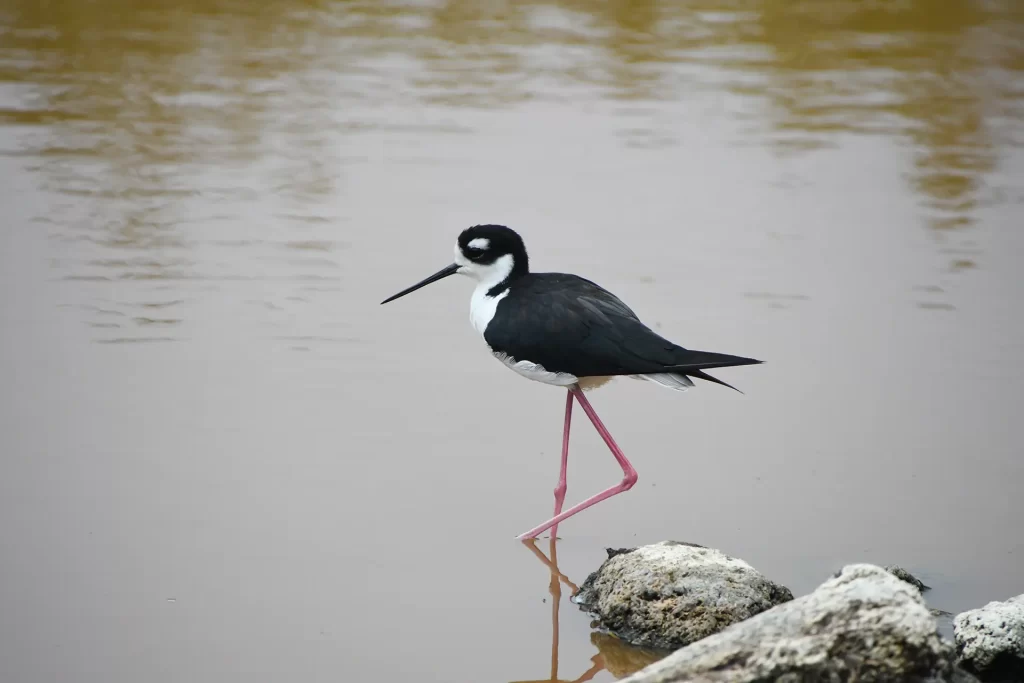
[(566, 331)]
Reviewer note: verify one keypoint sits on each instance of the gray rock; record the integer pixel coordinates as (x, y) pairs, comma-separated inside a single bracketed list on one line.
[(671, 594), (990, 640), (863, 624), (902, 574)]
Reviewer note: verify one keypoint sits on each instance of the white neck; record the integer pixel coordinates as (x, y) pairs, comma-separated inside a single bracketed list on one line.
[(494, 274), (482, 305)]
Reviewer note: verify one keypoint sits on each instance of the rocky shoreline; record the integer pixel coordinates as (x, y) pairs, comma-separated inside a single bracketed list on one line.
[(724, 621)]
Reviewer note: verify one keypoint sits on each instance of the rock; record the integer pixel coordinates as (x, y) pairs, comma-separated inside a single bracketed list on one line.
[(863, 624), (903, 575), (990, 640), (671, 594)]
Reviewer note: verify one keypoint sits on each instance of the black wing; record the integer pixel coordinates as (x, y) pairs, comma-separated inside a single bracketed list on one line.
[(569, 324)]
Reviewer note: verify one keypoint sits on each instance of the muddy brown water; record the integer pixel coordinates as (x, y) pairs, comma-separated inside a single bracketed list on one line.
[(222, 460)]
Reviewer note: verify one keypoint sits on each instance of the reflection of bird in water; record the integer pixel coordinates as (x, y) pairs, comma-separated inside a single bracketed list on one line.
[(622, 660), (555, 589), (566, 331), (613, 655)]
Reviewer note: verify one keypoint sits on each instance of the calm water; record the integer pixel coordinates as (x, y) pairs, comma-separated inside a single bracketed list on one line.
[(222, 460)]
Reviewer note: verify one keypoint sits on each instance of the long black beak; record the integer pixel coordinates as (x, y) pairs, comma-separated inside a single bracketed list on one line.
[(441, 274)]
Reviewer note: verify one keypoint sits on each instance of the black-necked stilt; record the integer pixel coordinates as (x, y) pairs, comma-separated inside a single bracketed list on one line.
[(564, 330)]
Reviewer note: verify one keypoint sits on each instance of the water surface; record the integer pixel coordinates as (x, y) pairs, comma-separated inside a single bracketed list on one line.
[(222, 460)]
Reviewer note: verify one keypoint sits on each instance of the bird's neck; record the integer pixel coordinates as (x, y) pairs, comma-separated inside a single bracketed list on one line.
[(502, 273)]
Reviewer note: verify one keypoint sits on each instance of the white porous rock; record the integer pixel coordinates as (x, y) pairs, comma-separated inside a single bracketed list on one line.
[(863, 624), (990, 640), (671, 594)]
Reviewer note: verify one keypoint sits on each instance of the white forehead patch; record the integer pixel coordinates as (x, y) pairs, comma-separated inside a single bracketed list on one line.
[(480, 243)]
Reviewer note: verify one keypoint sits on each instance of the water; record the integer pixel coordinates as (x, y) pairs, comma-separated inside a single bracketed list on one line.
[(222, 460)]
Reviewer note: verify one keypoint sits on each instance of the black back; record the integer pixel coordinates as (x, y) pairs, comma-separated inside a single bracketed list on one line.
[(569, 324)]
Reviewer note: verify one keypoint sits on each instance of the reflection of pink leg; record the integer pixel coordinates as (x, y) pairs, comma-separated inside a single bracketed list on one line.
[(629, 475), (560, 489)]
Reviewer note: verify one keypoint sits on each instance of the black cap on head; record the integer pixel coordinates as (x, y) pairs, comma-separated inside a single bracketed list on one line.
[(485, 244)]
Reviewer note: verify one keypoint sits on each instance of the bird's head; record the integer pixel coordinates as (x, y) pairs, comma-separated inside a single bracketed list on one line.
[(490, 254)]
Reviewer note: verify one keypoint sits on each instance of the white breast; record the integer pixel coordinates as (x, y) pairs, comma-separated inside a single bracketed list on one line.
[(482, 307)]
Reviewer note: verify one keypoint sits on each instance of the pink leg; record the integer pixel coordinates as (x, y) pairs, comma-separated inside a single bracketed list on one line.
[(560, 489), (629, 475)]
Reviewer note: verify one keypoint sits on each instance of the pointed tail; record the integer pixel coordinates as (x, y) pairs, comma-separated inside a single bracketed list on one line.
[(700, 374), (686, 361), (693, 364)]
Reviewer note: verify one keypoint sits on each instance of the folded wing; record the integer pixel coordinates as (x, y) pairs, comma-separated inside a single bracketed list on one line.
[(587, 331)]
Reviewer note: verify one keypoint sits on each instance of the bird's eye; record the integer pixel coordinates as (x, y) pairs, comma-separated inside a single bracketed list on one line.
[(473, 253)]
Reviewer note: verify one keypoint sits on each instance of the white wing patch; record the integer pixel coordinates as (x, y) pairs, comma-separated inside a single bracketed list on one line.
[(668, 379), (535, 372)]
